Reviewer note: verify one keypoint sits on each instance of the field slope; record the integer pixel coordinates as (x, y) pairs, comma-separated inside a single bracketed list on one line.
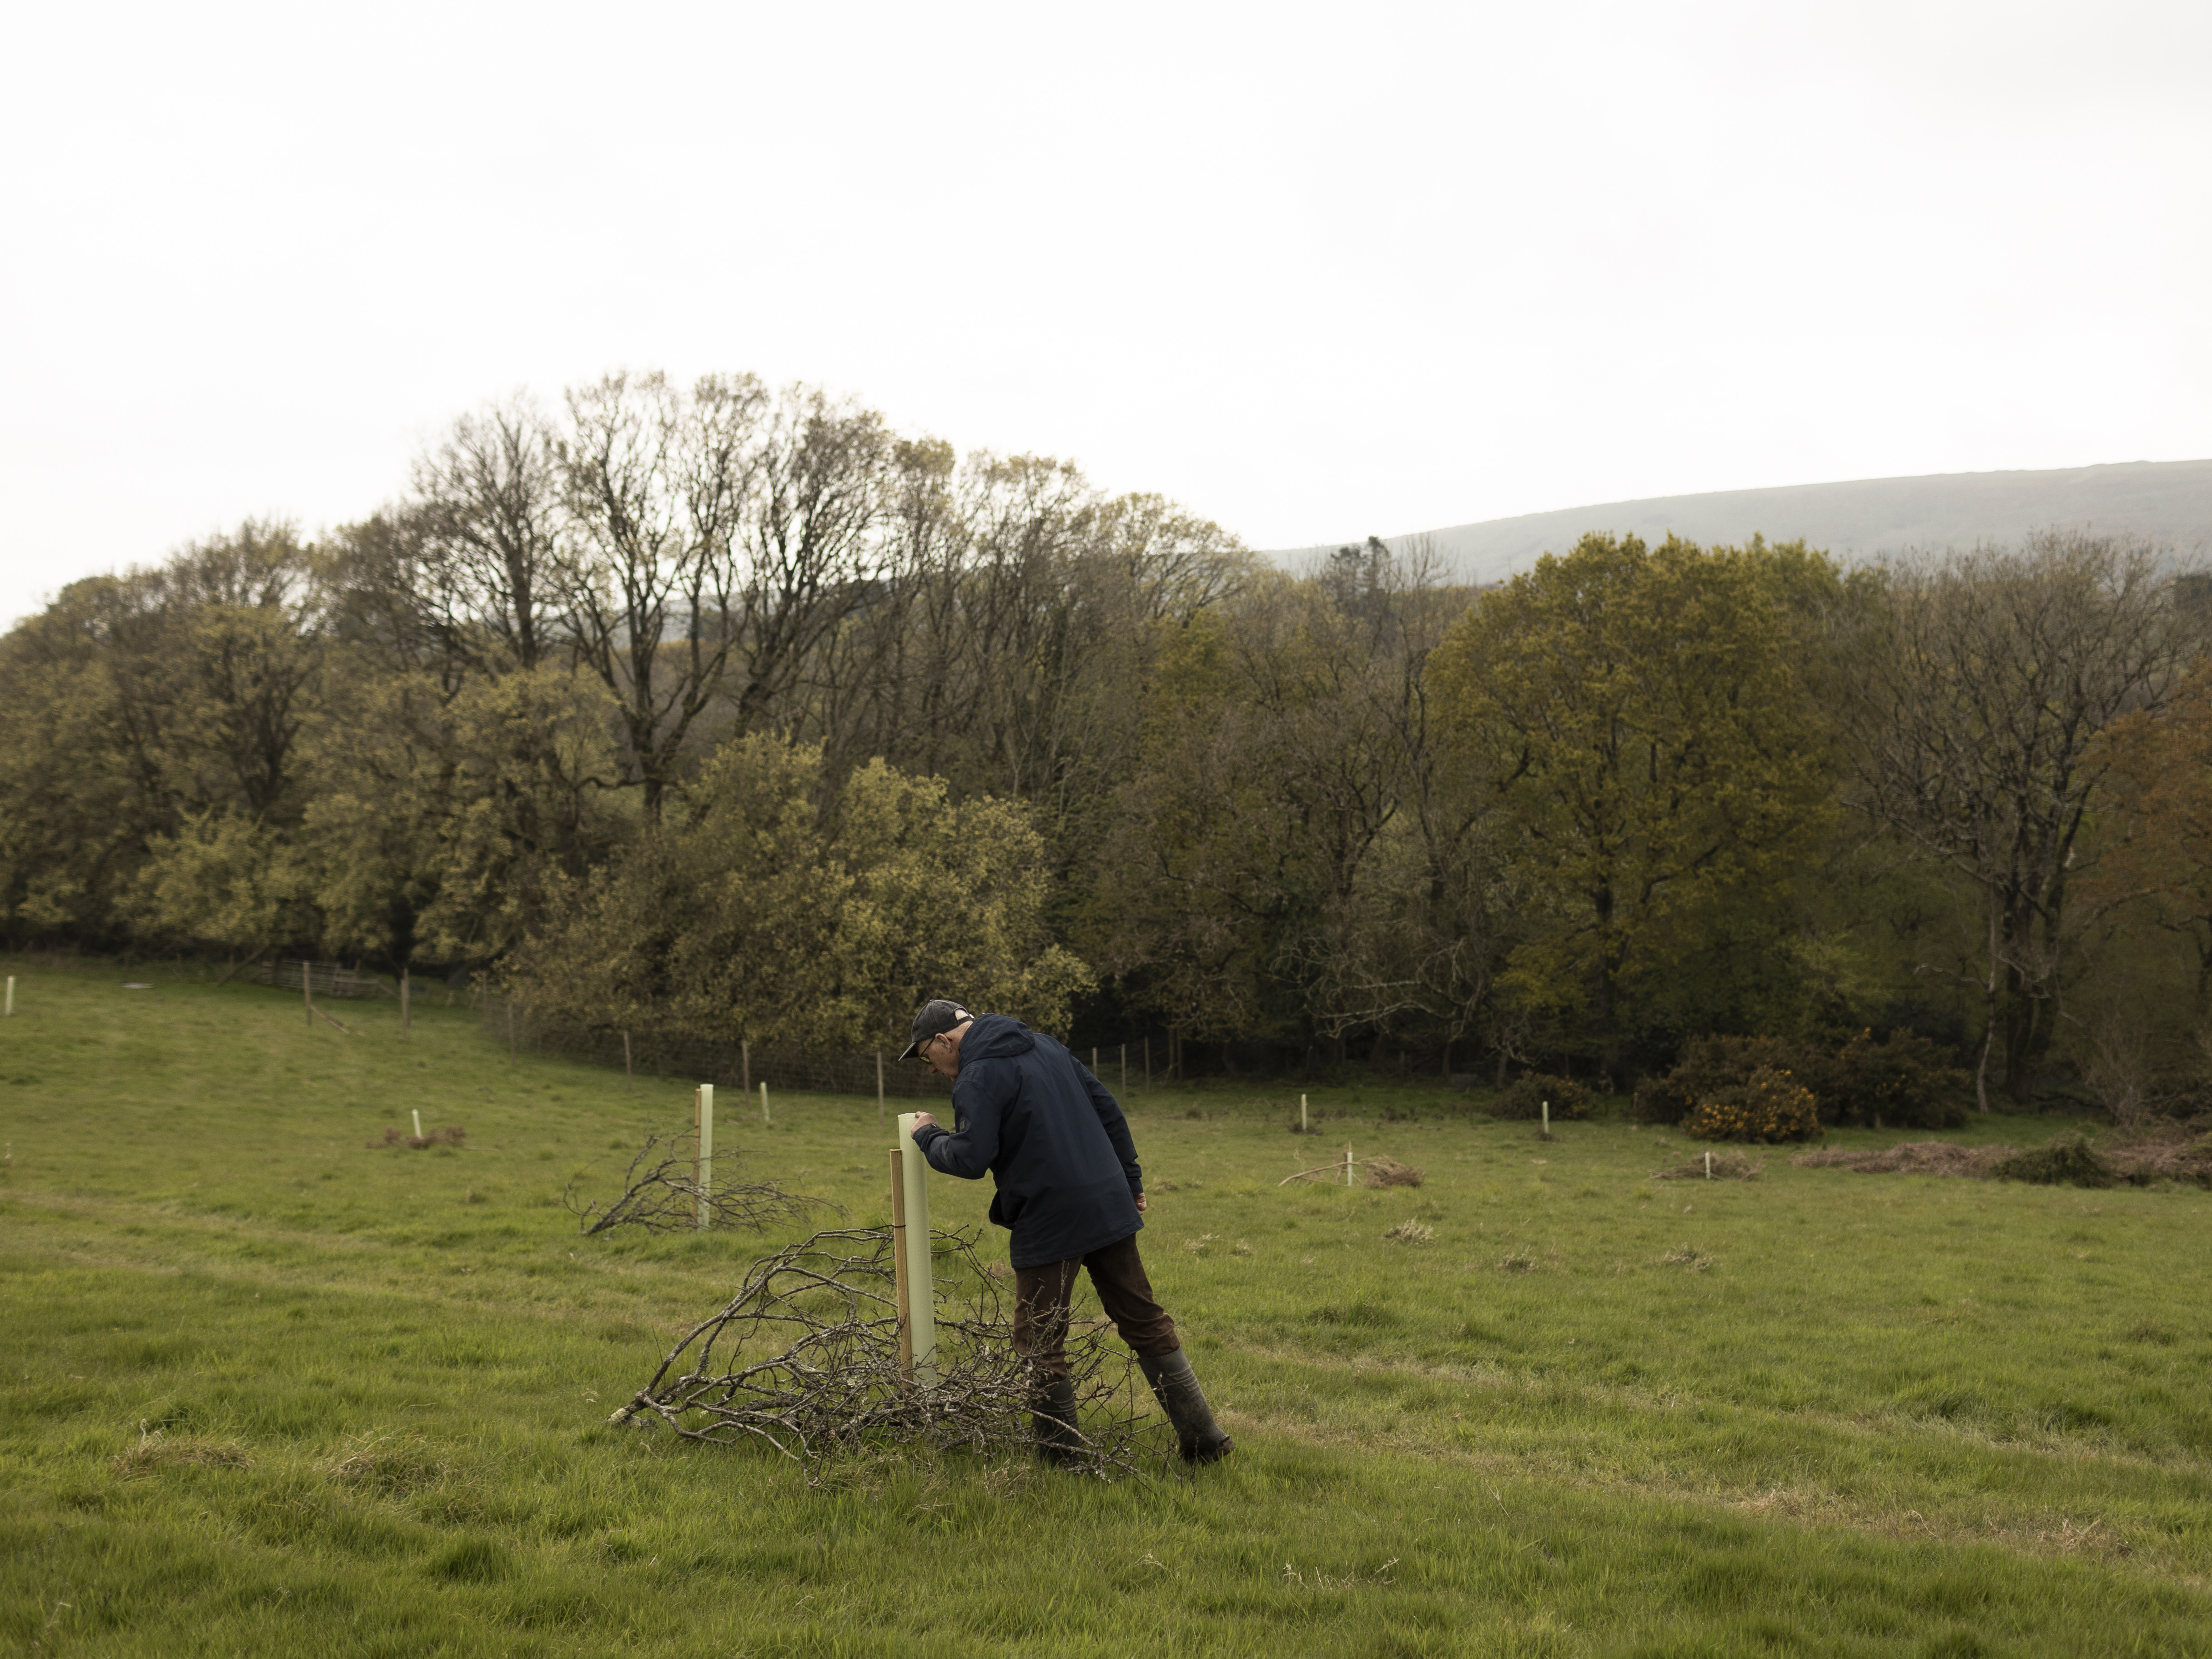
[(270, 1391)]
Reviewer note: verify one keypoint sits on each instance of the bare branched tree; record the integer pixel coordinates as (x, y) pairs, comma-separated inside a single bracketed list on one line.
[(1973, 690), (658, 484), (812, 553), (486, 512)]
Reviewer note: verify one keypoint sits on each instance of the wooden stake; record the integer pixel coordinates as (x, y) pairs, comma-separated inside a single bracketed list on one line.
[(1303, 1127), (1347, 1166), (879, 1086), (629, 1077), (765, 1118), (11, 996), (1094, 1062), (898, 1266), (745, 1064)]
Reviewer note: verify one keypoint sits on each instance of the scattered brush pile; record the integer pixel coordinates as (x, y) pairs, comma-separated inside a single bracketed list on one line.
[(1388, 1172), (662, 1194), (1719, 1166), (2166, 1152), (806, 1358), (1938, 1157), (452, 1135), (1374, 1172)]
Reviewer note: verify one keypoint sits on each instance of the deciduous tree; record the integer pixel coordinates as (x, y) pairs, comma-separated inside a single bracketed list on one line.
[(1656, 753)]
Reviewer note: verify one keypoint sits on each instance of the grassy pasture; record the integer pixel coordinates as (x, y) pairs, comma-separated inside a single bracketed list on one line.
[(267, 1390)]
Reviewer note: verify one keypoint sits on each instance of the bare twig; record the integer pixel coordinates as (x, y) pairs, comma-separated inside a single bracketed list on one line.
[(661, 1194), (805, 1357)]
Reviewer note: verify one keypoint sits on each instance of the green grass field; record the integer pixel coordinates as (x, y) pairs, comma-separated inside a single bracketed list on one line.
[(268, 1391)]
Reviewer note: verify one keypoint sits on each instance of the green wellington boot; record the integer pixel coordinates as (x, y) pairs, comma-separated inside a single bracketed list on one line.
[(1176, 1387), (1052, 1419)]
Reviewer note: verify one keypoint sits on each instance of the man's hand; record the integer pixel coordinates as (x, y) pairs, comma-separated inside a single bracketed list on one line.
[(923, 1121), (1143, 1204)]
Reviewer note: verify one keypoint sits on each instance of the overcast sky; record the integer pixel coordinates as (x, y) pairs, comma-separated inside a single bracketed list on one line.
[(1315, 272)]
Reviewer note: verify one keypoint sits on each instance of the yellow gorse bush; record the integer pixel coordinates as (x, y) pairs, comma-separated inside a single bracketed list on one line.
[(1770, 1104)]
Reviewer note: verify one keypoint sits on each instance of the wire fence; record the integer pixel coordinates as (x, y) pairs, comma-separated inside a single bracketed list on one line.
[(323, 979), (724, 1065)]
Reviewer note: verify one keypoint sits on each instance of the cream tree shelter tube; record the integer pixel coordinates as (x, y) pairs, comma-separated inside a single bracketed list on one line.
[(921, 1291), (706, 1165)]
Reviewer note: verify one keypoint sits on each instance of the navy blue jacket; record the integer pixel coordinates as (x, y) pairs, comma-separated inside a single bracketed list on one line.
[(1050, 1135)]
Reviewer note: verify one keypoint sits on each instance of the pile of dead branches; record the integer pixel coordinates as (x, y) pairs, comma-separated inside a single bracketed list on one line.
[(662, 1194), (806, 1357), (2163, 1152), (1715, 1166), (452, 1135), (1935, 1157), (1374, 1172)]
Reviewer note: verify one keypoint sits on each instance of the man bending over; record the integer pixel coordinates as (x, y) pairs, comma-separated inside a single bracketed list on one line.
[(1070, 1191)]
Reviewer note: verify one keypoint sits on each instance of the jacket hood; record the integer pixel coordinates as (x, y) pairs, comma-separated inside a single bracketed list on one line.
[(996, 1036)]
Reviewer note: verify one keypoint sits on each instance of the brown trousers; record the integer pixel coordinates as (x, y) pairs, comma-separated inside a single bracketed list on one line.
[(1043, 1295)]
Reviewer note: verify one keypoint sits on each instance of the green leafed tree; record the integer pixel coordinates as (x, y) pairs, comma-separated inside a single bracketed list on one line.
[(772, 906), (445, 826), (1657, 757)]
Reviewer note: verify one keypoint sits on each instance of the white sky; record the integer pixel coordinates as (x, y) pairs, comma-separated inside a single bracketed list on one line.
[(1316, 272)]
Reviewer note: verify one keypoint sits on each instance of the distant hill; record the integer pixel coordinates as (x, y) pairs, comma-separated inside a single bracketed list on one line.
[(2168, 501)]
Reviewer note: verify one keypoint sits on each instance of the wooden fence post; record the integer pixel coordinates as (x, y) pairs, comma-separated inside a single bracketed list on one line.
[(898, 1267), (629, 1077)]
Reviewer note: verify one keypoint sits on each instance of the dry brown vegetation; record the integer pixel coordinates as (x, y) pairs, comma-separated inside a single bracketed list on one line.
[(1910, 1157), (1715, 1166), (154, 1450), (452, 1135)]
